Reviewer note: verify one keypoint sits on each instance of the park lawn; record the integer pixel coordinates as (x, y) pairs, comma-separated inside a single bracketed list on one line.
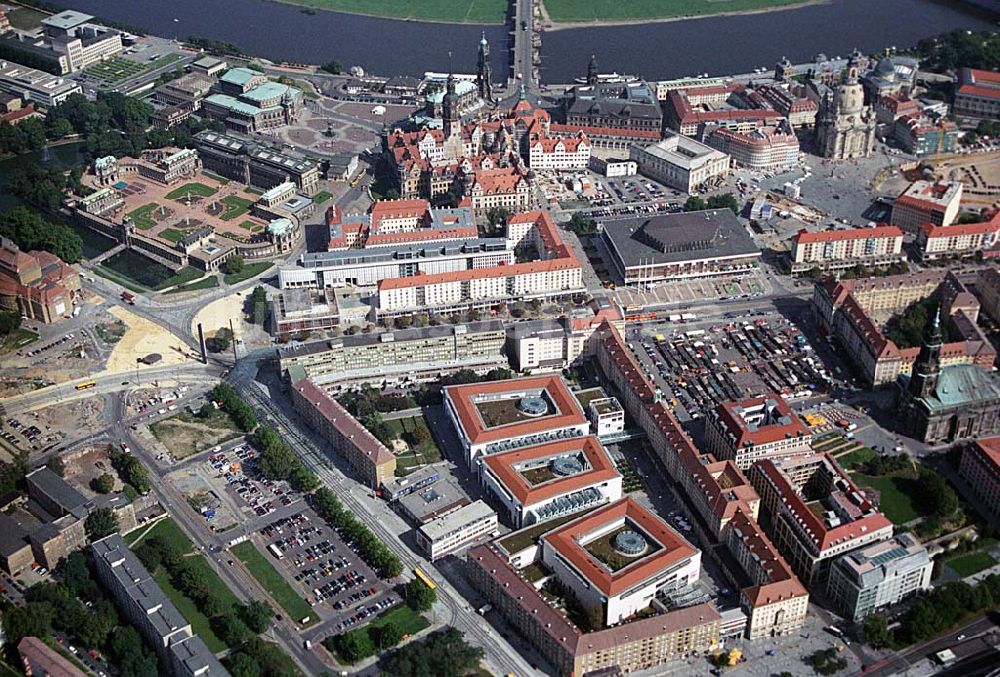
[(896, 495), (141, 216), (173, 234), (249, 270), (200, 625), (970, 563), (115, 69), (452, 11), (856, 457), (423, 454), (251, 226), (204, 283), (18, 338), (272, 581), (163, 60), (194, 188), (183, 276), (235, 206), (322, 196), (405, 618), (564, 11), (166, 529)]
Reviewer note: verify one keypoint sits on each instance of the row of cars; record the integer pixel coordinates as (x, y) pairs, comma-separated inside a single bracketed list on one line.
[(362, 613), (48, 346), (259, 495)]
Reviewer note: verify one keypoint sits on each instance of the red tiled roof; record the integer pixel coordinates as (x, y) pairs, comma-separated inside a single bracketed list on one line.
[(780, 583), (956, 229), (772, 432), (805, 237), (822, 536), (988, 449), (568, 411), (421, 235), (502, 466), (592, 131), (346, 425), (565, 541)]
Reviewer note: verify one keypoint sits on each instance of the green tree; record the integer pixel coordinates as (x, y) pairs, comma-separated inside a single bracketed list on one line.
[(100, 523), (876, 631), (582, 225), (725, 201), (234, 264), (30, 231), (257, 615), (419, 596), (443, 654), (936, 495), (33, 620), (222, 340), (334, 67), (354, 646), (388, 635), (498, 216), (695, 204), (104, 484)]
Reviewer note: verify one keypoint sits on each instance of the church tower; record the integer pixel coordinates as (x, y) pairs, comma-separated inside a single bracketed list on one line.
[(484, 72), (592, 71), (845, 126), (452, 121), (927, 367)]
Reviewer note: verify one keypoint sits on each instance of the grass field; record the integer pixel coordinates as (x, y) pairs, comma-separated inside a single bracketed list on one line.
[(193, 188), (200, 625), (140, 274), (272, 581), (565, 11), (235, 207), (204, 283), (405, 618), (856, 457), (173, 234), (251, 226), (185, 434), (167, 529), (896, 495), (142, 216), (453, 11), (322, 196), (249, 270), (115, 69), (422, 454), (972, 563)]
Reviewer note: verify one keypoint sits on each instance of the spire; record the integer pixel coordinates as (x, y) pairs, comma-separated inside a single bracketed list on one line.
[(592, 70), (524, 93), (934, 330), (483, 42)]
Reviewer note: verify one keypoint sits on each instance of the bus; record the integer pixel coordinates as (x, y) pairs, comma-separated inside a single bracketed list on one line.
[(276, 551), (419, 573), (86, 386)]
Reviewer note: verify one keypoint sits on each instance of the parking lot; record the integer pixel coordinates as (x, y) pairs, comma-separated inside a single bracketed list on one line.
[(239, 468), (326, 569), (698, 368)]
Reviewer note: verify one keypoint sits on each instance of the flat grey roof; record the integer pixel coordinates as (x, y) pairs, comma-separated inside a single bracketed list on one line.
[(433, 498), (66, 20), (409, 252), (674, 238), (56, 488), (12, 536), (397, 335), (458, 519)]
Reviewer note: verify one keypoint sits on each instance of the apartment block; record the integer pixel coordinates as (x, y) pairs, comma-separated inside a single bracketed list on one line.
[(842, 249)]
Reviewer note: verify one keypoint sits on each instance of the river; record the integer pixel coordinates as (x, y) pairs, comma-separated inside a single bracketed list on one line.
[(718, 45)]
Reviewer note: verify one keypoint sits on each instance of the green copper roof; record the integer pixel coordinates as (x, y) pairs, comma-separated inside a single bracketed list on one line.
[(270, 90), (962, 384), (239, 76)]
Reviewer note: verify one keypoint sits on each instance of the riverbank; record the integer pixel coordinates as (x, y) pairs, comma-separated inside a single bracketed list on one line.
[(550, 25), (482, 12)]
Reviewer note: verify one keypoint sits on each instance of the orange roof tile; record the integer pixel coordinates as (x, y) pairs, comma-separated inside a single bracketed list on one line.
[(566, 541)]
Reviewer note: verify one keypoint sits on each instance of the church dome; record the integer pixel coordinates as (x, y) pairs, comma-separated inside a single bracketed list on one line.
[(885, 67)]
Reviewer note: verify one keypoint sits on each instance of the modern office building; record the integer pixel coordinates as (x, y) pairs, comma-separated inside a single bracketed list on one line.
[(842, 249), (869, 580), (457, 529), (401, 357), (652, 248), (681, 163), (644, 644), (606, 415), (618, 558), (500, 416), (933, 202), (812, 528), (551, 480), (918, 135), (347, 437), (34, 85), (749, 431), (75, 42)]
